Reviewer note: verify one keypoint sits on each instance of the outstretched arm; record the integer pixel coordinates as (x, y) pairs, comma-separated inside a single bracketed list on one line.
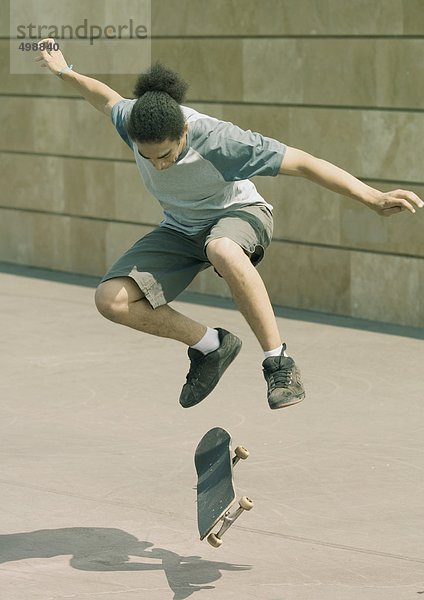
[(98, 94), (302, 164)]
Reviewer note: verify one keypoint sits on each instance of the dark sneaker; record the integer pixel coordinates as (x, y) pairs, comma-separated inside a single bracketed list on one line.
[(283, 379), (206, 370)]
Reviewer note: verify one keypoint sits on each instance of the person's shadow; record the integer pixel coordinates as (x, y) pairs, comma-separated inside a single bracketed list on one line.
[(107, 549)]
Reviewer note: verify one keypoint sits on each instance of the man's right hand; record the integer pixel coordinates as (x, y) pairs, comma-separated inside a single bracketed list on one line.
[(51, 59), (98, 94)]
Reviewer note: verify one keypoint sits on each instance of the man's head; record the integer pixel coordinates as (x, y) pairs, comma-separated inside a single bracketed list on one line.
[(163, 154), (157, 123)]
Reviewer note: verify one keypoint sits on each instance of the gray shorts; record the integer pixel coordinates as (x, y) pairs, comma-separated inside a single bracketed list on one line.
[(164, 262)]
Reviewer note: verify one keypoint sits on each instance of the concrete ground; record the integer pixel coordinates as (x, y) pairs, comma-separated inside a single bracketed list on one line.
[(97, 485)]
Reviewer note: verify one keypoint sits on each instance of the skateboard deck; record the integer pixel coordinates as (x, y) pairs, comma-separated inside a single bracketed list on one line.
[(215, 483)]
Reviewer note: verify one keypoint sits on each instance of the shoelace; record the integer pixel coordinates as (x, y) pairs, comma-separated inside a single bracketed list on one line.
[(282, 376)]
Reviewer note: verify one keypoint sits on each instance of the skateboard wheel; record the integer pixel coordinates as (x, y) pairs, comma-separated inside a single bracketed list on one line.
[(241, 452), (214, 540), (246, 503)]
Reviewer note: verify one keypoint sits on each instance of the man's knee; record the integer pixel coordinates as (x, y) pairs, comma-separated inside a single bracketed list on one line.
[(113, 297), (223, 253), (106, 300)]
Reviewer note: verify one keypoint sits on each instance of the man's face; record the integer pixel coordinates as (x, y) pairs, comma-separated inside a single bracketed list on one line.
[(162, 155)]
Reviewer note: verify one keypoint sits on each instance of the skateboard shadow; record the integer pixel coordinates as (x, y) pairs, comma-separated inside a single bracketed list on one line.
[(107, 549)]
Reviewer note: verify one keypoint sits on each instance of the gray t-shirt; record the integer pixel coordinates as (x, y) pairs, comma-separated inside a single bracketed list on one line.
[(211, 175)]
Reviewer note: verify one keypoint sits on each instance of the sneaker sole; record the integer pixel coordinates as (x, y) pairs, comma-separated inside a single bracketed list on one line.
[(285, 404)]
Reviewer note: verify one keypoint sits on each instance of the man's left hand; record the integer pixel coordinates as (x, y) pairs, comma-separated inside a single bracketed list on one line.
[(391, 203)]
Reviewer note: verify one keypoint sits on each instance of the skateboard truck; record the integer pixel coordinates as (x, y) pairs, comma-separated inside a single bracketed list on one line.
[(245, 503), (215, 539)]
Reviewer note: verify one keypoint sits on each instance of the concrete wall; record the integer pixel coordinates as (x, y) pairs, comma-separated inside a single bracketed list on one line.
[(342, 79)]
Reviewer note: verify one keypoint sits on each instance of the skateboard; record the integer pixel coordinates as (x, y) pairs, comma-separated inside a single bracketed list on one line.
[(215, 485)]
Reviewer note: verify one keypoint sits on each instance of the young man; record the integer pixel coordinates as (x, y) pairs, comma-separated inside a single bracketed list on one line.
[(199, 169)]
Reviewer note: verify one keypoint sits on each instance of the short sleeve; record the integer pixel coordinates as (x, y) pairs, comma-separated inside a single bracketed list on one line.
[(120, 114), (241, 154)]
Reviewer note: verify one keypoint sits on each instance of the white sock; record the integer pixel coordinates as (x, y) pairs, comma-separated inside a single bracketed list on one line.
[(275, 352), (209, 342)]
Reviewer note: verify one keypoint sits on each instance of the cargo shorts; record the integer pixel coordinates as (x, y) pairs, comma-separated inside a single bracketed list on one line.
[(165, 261)]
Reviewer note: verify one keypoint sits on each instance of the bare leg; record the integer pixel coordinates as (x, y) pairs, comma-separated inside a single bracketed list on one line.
[(247, 288), (122, 301)]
